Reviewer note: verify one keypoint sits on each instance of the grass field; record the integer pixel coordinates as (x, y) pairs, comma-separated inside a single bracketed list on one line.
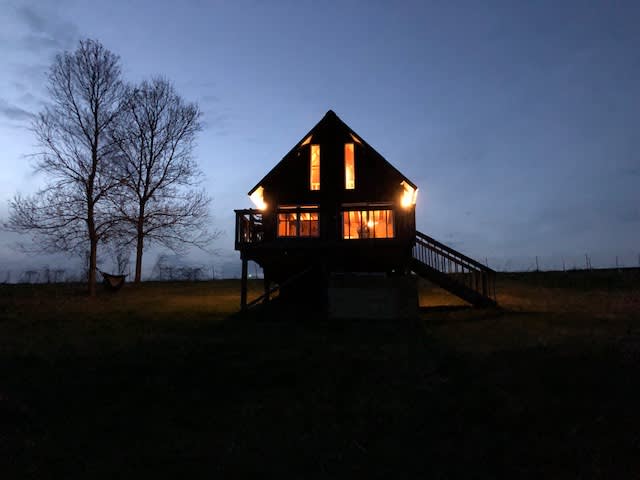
[(163, 380)]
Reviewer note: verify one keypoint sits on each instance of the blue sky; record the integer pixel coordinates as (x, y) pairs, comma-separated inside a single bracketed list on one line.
[(518, 122)]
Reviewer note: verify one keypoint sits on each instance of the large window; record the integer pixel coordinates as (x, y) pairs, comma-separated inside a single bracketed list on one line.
[(349, 167), (298, 222), (287, 224), (315, 167), (357, 224)]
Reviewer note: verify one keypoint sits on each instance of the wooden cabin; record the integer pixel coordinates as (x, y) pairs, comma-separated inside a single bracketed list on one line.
[(334, 207)]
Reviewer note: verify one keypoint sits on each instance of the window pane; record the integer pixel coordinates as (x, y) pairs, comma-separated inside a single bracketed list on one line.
[(315, 167), (380, 223), (282, 225), (287, 224), (354, 224), (315, 226), (298, 224), (349, 167), (367, 224), (345, 225), (305, 224), (309, 227)]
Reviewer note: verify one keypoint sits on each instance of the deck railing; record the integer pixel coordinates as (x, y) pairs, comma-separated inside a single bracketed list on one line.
[(249, 227), (462, 269)]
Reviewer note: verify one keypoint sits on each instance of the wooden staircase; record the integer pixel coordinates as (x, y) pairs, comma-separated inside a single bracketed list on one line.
[(453, 271), (270, 291)]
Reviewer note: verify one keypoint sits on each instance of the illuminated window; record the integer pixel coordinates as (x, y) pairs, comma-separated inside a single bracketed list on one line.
[(298, 222), (360, 224), (349, 167), (309, 224), (315, 167), (287, 224)]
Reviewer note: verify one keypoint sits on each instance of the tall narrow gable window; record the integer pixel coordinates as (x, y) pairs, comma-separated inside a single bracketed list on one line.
[(315, 167), (349, 167)]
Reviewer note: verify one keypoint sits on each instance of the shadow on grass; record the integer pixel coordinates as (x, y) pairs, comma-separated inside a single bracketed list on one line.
[(296, 394), (444, 308)]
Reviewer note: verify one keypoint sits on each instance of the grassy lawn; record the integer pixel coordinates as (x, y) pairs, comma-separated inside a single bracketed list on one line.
[(162, 380)]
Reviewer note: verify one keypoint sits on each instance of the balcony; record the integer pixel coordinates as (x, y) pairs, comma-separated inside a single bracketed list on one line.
[(249, 228)]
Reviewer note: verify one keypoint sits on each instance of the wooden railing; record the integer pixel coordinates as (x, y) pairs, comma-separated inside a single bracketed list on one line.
[(463, 270), (249, 227)]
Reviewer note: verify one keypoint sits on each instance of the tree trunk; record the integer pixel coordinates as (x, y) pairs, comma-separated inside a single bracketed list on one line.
[(93, 267), (93, 247), (139, 249)]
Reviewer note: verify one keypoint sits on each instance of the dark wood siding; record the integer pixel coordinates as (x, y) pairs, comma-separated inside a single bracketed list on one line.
[(376, 182)]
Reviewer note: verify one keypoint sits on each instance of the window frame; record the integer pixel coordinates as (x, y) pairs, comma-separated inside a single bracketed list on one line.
[(298, 210), (314, 186), (353, 166), (369, 209)]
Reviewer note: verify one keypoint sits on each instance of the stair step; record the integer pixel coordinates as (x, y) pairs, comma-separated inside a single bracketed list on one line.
[(444, 266)]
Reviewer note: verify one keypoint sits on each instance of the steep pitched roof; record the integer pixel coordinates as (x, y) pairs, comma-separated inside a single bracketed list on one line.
[(330, 119)]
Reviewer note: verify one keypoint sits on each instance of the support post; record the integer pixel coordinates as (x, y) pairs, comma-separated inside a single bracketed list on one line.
[(243, 285), (267, 286)]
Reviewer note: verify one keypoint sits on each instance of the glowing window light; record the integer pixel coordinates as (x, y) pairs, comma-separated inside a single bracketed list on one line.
[(409, 195), (306, 141), (363, 224), (257, 197), (298, 223), (315, 167), (349, 167)]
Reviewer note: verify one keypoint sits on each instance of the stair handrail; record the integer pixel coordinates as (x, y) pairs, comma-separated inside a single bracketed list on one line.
[(277, 287), (454, 254), (428, 251)]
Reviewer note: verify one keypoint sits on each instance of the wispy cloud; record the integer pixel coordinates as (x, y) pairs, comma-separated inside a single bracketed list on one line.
[(32, 32), (14, 113), (216, 123), (43, 29)]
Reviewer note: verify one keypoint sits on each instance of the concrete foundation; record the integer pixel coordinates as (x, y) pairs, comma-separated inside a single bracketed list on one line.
[(372, 296)]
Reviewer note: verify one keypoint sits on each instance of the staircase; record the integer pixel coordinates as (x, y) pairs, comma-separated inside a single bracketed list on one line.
[(453, 271), (271, 291)]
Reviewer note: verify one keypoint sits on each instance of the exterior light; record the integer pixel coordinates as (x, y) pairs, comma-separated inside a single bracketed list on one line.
[(257, 197), (409, 195)]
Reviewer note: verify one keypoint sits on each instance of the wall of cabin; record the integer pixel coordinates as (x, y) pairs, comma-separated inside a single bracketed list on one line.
[(376, 182)]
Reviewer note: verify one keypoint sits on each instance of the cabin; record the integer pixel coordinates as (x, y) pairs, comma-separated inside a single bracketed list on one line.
[(334, 220)]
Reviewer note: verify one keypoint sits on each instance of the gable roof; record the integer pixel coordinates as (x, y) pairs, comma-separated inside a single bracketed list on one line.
[(330, 118)]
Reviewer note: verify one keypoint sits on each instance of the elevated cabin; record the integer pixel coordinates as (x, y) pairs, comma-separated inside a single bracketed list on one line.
[(332, 206)]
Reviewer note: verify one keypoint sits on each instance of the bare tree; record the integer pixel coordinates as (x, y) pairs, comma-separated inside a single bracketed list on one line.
[(160, 199), (69, 214)]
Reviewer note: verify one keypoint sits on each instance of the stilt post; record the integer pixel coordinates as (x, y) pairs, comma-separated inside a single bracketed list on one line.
[(243, 285), (267, 286)]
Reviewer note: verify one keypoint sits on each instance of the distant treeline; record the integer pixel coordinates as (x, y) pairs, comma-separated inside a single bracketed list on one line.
[(164, 271)]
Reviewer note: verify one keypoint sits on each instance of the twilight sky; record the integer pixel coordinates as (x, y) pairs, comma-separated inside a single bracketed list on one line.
[(520, 124)]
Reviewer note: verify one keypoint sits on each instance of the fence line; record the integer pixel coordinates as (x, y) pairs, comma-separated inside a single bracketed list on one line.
[(202, 272)]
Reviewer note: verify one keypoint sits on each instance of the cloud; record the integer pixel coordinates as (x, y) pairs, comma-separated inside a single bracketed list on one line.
[(32, 32), (210, 99), (45, 30), (217, 123), (31, 18), (13, 112)]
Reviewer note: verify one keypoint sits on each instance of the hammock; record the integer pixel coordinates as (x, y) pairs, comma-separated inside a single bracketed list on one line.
[(112, 282)]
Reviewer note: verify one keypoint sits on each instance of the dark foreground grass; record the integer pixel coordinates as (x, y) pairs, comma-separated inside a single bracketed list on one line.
[(161, 380)]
